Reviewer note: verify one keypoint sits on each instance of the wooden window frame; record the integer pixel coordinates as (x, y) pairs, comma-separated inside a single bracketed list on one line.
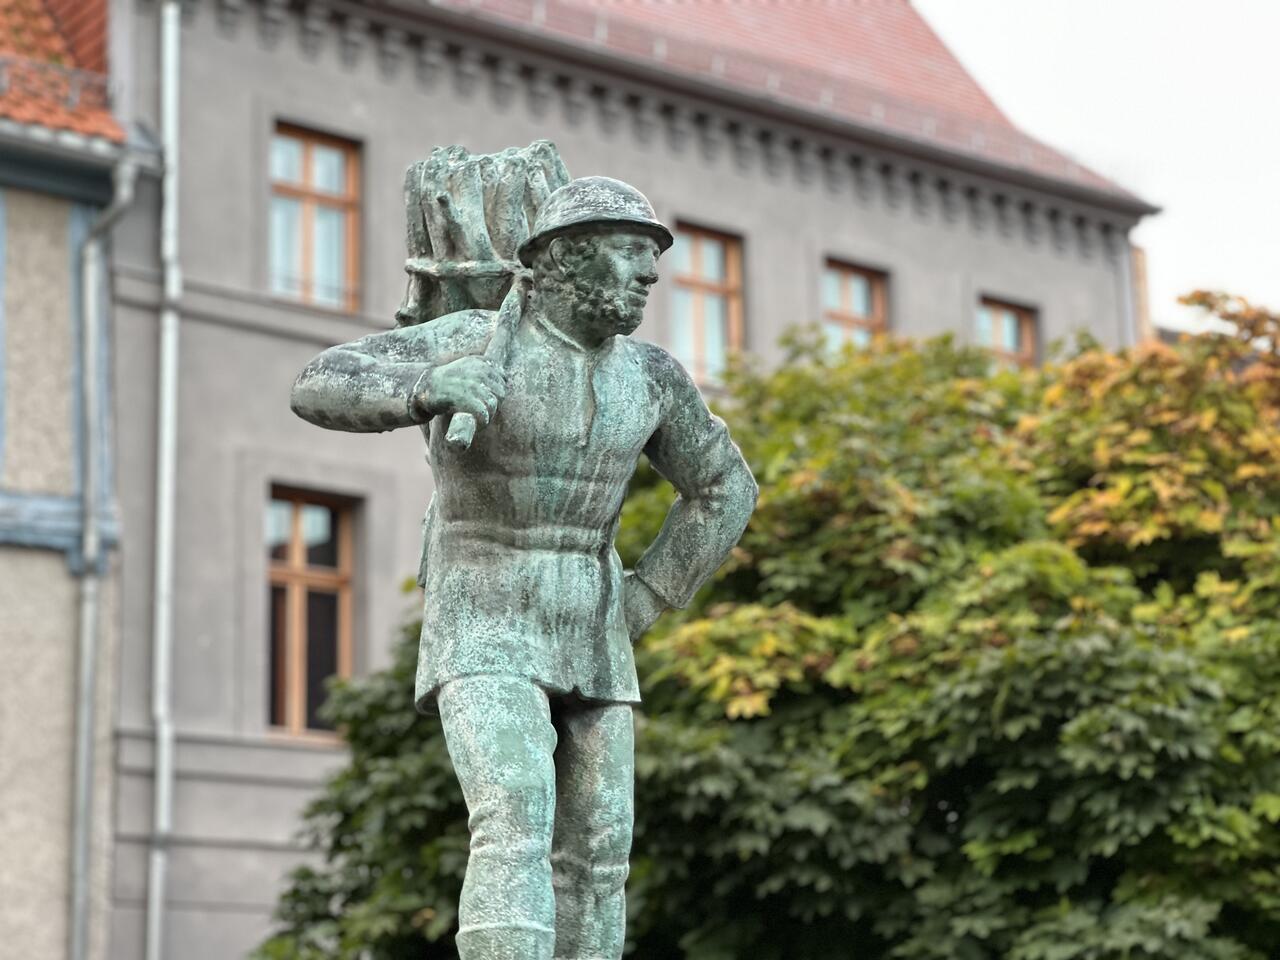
[(1028, 333), (311, 198), (296, 576), (877, 322), (699, 287)]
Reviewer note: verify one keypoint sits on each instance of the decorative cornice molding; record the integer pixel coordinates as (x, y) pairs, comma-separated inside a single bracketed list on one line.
[(229, 12), (1006, 222), (717, 134), (272, 17), (615, 104), (834, 171), (611, 105), (352, 39), (920, 191), (504, 82), (681, 123), (1085, 236), (950, 199), (805, 155), (540, 91), (977, 207), (646, 118), (576, 98), (393, 46), (893, 185), (311, 28), (432, 61), (468, 70)]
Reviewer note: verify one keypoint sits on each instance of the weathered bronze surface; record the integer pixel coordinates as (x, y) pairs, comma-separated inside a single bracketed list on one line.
[(535, 415)]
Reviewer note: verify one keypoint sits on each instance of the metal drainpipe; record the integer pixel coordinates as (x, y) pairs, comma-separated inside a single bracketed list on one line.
[(166, 467), (1125, 252), (91, 557)]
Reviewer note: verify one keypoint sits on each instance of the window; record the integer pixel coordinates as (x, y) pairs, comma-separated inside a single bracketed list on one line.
[(1008, 331), (309, 603), (315, 207), (706, 315), (854, 304)]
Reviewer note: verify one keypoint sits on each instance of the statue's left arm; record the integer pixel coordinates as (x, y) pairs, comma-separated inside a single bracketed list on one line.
[(692, 449)]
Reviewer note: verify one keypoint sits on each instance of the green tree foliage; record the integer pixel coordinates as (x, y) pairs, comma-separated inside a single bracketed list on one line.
[(994, 673)]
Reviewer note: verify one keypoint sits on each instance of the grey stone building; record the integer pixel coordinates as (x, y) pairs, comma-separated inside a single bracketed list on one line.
[(821, 163)]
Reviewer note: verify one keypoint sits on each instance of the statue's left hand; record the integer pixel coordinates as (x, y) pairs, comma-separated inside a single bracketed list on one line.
[(640, 605)]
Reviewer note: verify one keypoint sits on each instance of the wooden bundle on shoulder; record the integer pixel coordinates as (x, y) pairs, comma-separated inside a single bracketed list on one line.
[(467, 215)]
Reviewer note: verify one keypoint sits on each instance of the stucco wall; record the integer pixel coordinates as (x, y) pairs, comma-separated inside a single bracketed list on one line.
[(39, 443), (38, 636), (37, 595)]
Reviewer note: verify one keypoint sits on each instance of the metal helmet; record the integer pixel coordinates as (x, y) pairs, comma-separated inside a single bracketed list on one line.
[(590, 200)]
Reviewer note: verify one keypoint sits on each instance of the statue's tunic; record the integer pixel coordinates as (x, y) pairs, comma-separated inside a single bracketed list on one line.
[(519, 566)]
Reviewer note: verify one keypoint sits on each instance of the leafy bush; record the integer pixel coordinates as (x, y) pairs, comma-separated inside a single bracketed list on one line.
[(994, 673)]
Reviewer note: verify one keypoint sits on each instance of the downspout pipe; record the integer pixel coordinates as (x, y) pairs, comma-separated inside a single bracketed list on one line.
[(92, 557), (166, 469), (1128, 295)]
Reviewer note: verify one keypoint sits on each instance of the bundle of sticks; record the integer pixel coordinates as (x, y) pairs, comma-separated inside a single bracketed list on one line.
[(467, 216)]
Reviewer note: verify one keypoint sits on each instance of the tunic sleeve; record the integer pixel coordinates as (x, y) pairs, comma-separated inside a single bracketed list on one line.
[(717, 493), (377, 382)]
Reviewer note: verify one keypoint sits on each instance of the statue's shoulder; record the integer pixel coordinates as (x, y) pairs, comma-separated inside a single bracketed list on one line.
[(467, 331), (662, 369)]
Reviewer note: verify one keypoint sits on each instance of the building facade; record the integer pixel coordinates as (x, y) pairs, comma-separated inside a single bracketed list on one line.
[(59, 577), (833, 165)]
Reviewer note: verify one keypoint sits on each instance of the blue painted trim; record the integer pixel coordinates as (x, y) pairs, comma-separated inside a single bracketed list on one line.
[(4, 253), (106, 466), (77, 231), (46, 521), (49, 522)]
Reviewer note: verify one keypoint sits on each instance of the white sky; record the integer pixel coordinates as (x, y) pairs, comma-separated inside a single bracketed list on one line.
[(1178, 100)]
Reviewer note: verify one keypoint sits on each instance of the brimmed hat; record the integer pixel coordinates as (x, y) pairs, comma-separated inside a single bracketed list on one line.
[(590, 200)]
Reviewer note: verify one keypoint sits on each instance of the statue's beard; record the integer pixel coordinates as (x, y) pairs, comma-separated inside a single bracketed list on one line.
[(604, 313)]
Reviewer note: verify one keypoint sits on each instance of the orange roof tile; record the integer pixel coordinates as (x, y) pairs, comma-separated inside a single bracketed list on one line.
[(42, 82)]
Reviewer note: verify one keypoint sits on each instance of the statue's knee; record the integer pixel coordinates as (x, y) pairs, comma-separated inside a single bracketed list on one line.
[(611, 844), (517, 819), (598, 859)]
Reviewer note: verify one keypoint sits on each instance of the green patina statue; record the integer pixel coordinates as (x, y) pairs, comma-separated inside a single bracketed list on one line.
[(535, 417)]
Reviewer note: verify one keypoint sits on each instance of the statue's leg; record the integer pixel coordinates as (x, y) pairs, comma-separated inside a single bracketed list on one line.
[(502, 742), (595, 811)]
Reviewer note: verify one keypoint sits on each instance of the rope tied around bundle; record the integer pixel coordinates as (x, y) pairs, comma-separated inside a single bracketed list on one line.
[(467, 216)]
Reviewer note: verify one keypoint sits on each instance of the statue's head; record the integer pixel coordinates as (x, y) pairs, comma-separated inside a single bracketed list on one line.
[(596, 244)]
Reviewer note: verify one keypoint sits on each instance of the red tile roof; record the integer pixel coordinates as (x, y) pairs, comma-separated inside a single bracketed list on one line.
[(84, 24), (874, 62), (43, 81)]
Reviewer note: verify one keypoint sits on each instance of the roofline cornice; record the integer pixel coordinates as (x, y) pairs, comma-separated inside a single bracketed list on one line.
[(90, 151), (405, 13)]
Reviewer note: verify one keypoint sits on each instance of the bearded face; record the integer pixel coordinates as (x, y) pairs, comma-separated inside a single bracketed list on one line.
[(605, 277)]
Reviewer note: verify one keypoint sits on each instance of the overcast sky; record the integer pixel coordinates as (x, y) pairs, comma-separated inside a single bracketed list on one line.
[(1179, 100)]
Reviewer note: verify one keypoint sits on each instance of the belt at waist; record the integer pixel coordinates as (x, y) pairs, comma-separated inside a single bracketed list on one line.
[(540, 537)]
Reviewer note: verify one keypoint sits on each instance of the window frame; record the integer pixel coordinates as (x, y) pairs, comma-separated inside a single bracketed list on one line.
[(310, 197), (1028, 332), (296, 577), (731, 288), (877, 322)]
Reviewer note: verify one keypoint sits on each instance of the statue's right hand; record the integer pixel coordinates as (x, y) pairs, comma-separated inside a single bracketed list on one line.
[(471, 385)]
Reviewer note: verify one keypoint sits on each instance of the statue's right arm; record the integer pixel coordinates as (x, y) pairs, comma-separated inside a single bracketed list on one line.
[(395, 379)]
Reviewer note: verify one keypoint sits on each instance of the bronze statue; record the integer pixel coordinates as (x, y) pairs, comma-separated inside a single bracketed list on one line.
[(535, 417)]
